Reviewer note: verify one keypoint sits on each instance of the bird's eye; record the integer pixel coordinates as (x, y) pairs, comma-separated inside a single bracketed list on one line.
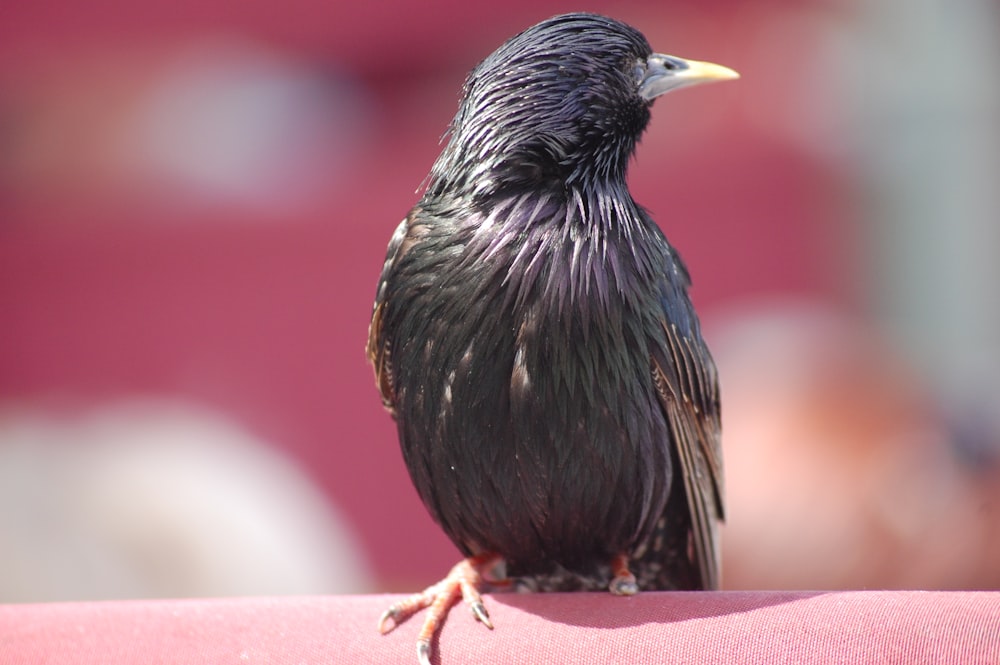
[(639, 71)]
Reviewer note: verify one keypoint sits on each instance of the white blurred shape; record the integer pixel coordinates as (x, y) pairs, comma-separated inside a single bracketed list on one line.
[(158, 499), (229, 122)]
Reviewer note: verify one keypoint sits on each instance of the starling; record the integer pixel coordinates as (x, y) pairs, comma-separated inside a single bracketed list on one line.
[(532, 335)]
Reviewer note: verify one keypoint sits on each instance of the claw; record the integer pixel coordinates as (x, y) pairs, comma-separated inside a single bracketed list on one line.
[(464, 579), (480, 611), (402, 610), (624, 586), (470, 594), (389, 614), (424, 652)]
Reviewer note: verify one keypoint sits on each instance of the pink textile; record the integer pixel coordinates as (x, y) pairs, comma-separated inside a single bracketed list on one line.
[(693, 628)]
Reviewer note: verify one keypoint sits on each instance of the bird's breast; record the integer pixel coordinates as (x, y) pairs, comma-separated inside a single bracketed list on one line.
[(526, 393)]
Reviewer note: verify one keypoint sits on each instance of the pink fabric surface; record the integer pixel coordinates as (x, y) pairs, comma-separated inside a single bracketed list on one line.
[(692, 628)]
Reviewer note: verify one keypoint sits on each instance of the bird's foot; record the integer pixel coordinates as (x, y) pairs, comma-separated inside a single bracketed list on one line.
[(464, 580), (623, 582)]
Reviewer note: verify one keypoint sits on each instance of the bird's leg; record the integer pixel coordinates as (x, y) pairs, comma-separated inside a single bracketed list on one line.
[(464, 579), (622, 580)]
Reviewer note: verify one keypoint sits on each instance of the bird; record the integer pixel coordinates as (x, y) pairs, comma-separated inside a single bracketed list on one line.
[(532, 336)]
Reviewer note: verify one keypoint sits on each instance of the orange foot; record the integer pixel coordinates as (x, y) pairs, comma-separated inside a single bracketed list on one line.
[(623, 581), (464, 579)]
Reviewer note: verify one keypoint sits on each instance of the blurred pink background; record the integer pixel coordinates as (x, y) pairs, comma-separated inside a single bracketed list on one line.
[(194, 207)]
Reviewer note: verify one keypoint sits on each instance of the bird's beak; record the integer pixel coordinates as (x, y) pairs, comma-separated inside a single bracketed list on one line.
[(666, 72)]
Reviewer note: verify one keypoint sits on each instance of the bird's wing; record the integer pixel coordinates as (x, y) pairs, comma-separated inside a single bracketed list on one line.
[(378, 348), (687, 387)]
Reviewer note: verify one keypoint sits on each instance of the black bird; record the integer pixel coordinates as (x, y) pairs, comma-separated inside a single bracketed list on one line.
[(532, 335)]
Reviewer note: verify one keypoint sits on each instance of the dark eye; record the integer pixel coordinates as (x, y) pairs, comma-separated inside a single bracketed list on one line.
[(639, 71)]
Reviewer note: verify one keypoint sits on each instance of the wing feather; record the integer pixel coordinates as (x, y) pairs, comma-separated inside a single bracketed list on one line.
[(687, 387), (378, 347)]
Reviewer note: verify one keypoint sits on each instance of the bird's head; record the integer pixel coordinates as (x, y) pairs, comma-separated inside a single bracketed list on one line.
[(561, 104)]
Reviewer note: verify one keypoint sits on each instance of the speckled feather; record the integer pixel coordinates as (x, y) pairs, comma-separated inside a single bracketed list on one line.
[(533, 337)]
